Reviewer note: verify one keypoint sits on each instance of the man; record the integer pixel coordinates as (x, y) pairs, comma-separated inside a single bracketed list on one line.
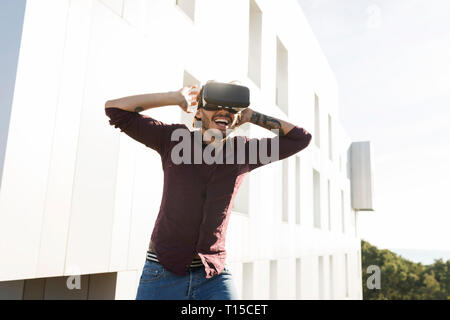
[(187, 257)]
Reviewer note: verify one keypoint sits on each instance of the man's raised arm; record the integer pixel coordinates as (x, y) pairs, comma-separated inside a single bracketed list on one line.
[(124, 114), (291, 138), (185, 98), (270, 123)]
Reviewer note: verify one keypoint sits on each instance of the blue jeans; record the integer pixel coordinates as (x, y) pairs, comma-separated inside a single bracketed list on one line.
[(158, 283)]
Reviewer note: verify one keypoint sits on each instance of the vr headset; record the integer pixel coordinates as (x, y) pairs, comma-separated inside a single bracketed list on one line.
[(218, 95)]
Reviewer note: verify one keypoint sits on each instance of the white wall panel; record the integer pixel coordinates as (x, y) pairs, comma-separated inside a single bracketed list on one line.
[(30, 138), (234, 238), (56, 218), (90, 233), (285, 285), (91, 223), (236, 269), (126, 285), (261, 280)]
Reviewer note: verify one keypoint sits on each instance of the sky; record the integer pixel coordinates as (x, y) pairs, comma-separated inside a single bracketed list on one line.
[(391, 59)]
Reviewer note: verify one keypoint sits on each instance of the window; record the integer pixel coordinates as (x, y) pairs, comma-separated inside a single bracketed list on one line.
[(241, 201), (273, 280), (358, 253), (342, 211), (188, 7), (247, 280), (346, 276), (285, 191), (316, 121), (297, 190), (330, 139), (281, 94), (329, 205), (298, 272), (321, 279), (316, 198), (254, 43), (331, 266)]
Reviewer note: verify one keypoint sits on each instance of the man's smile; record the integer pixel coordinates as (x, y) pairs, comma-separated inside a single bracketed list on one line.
[(222, 122)]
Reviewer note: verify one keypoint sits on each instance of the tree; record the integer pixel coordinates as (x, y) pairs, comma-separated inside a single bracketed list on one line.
[(402, 279)]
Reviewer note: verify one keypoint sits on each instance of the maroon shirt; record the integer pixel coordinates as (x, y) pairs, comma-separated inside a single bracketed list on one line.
[(197, 198)]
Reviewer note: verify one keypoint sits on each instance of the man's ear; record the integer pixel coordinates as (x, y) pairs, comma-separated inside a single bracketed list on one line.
[(196, 119), (197, 116)]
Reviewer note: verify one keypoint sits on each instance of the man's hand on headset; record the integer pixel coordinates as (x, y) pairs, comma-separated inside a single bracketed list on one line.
[(188, 98), (242, 117)]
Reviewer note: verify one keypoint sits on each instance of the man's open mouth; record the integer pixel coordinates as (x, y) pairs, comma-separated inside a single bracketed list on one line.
[(222, 122)]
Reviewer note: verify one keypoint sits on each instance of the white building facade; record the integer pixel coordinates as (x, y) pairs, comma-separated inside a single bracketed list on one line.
[(78, 197)]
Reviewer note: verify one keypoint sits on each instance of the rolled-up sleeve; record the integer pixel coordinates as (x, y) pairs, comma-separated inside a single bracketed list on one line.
[(142, 128), (294, 141)]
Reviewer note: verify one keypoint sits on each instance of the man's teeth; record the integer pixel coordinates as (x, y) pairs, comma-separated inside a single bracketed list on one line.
[(223, 122)]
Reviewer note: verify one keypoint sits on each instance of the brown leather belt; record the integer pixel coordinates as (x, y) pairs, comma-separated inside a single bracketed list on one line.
[(151, 249)]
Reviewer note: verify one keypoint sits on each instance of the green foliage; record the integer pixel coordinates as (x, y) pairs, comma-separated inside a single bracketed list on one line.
[(402, 279)]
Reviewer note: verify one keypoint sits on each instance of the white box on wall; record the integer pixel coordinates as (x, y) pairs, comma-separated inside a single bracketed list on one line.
[(362, 175)]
